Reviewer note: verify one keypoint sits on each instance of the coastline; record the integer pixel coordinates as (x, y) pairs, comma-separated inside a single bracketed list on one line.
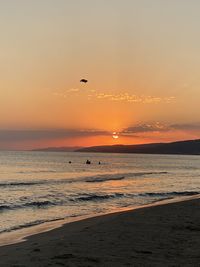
[(145, 235), (22, 235)]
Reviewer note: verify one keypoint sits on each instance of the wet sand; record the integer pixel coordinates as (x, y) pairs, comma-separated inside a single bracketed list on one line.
[(164, 235)]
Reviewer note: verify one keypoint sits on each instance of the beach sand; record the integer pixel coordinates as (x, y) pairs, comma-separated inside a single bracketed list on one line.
[(165, 235)]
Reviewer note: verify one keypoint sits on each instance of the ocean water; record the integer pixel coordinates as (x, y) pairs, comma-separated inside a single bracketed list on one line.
[(38, 187)]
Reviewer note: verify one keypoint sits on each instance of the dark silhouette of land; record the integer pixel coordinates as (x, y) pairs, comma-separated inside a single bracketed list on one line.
[(57, 149), (189, 147)]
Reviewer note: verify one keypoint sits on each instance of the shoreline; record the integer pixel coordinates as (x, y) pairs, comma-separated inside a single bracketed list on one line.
[(158, 235), (23, 234)]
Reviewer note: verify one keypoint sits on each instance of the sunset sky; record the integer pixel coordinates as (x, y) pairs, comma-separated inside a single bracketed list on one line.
[(141, 59)]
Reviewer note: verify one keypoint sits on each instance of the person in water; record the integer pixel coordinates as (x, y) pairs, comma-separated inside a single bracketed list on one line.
[(88, 162)]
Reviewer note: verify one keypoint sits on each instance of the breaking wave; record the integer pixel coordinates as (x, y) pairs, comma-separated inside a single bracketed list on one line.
[(102, 197), (89, 179), (91, 197)]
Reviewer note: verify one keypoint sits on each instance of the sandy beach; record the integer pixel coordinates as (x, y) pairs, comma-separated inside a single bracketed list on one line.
[(164, 235)]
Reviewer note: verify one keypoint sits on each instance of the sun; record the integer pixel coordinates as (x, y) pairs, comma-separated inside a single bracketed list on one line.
[(115, 135)]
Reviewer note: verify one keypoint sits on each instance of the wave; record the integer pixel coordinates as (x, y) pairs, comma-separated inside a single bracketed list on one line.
[(30, 224), (115, 177), (88, 197), (96, 197), (100, 197), (104, 179), (92, 197), (148, 173), (38, 222), (40, 204), (88, 179), (39, 171), (12, 184), (170, 194), (31, 204), (4, 207)]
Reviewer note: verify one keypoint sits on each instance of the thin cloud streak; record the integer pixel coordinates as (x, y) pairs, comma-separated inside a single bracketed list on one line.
[(33, 135), (131, 98), (145, 127), (10, 138), (186, 127), (159, 127), (116, 97)]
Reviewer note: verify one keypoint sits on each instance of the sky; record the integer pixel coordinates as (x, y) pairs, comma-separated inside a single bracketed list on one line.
[(141, 59)]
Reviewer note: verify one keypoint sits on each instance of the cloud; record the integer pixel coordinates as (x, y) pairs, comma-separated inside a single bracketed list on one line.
[(144, 128), (38, 135), (116, 97), (132, 98), (159, 127), (186, 126), (13, 137)]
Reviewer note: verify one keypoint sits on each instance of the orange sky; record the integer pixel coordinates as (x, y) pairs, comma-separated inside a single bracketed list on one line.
[(142, 62)]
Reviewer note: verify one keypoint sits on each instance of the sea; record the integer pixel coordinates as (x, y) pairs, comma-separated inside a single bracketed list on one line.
[(40, 187)]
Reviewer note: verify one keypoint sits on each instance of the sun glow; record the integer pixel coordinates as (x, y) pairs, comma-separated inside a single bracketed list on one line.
[(115, 135)]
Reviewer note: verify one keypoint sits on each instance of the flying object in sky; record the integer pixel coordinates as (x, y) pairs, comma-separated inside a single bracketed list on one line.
[(83, 81)]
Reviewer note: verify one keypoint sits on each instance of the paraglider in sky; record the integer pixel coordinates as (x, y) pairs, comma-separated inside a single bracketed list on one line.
[(83, 81)]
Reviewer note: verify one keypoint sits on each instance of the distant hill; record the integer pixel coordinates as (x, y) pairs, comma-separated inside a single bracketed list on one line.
[(58, 149), (190, 147)]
